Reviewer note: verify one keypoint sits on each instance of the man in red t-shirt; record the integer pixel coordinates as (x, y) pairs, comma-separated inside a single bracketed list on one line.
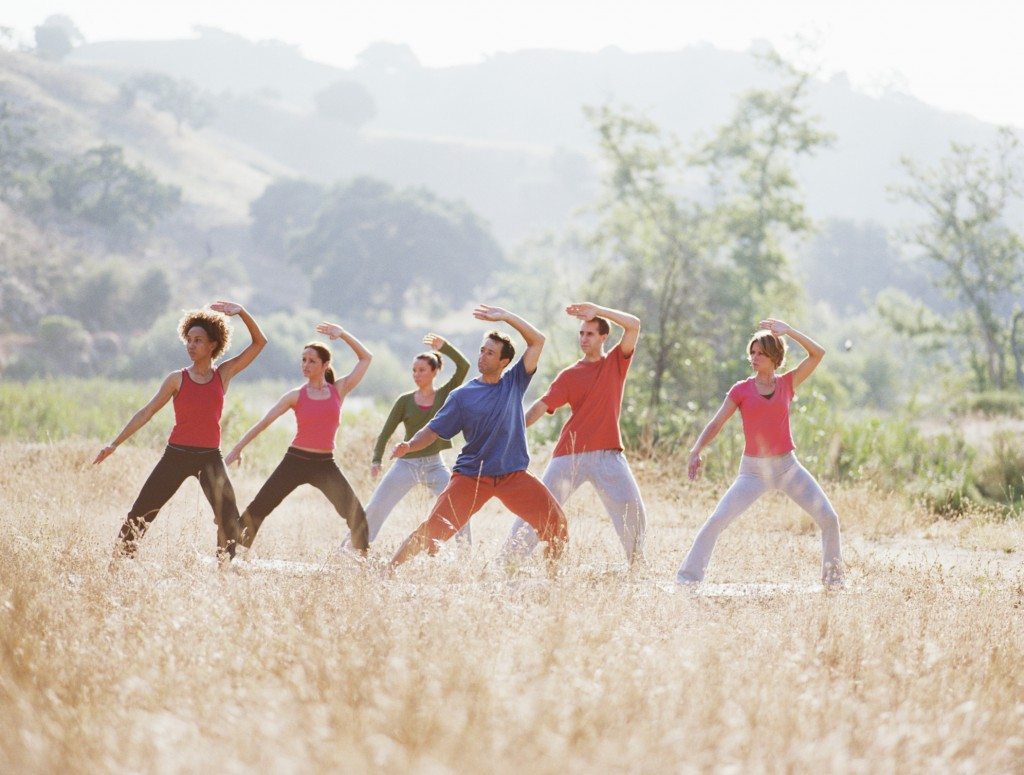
[(589, 448)]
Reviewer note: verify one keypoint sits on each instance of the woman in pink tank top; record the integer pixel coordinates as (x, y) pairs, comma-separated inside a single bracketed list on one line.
[(310, 458), (193, 448), (769, 461)]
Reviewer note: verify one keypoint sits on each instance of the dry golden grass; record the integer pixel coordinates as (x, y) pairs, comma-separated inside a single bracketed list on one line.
[(169, 664)]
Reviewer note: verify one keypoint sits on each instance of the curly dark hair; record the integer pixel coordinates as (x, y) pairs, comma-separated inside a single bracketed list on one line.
[(213, 323)]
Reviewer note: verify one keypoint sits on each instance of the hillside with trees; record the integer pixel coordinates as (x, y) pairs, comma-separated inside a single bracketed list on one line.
[(392, 196), (509, 133), (119, 207)]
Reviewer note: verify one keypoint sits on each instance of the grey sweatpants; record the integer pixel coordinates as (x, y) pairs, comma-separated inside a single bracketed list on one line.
[(404, 474), (757, 476), (608, 471)]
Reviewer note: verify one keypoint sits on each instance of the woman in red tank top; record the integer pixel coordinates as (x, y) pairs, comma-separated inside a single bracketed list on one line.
[(310, 458), (193, 448), (769, 462)]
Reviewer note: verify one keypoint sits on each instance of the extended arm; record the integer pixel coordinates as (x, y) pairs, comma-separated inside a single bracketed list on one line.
[(534, 338), (164, 394), (424, 438), (286, 402), (347, 383), (815, 352), (630, 324), (390, 424), (725, 411), (232, 366), (535, 412)]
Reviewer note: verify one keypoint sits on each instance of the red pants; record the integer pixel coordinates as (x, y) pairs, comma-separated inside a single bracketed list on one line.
[(521, 492)]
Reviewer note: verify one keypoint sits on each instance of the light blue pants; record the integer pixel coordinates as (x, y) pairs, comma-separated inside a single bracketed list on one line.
[(757, 476), (404, 474), (608, 471)]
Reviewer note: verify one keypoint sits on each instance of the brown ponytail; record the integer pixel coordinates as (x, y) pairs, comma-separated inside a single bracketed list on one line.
[(325, 356), (433, 358)]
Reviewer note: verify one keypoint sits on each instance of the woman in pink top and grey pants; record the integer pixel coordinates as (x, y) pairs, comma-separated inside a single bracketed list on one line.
[(769, 462), (310, 458)]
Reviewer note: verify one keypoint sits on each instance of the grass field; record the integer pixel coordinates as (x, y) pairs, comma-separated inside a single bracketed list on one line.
[(301, 660)]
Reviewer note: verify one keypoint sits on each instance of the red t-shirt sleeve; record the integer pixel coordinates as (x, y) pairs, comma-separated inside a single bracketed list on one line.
[(736, 393), (557, 395), (622, 360)]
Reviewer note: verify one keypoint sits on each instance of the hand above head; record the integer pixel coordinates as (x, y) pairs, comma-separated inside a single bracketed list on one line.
[(434, 341), (583, 310), (777, 327), (694, 466), (333, 330), (487, 312), (227, 307), (106, 452)]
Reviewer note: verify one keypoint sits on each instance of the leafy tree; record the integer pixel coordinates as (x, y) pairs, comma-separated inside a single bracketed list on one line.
[(847, 264), (31, 283), (102, 188), (181, 98), (111, 298), (347, 102), (388, 57), (286, 206), (98, 297), (150, 296), (966, 199), (693, 242), (56, 36), (64, 22), (157, 350), (52, 42), (372, 247), (22, 165), (751, 166), (651, 259), (62, 347)]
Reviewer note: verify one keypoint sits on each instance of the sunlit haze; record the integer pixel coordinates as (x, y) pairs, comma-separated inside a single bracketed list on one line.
[(955, 55)]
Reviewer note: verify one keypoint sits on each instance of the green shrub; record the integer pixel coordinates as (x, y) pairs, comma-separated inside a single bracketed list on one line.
[(992, 403), (1001, 470)]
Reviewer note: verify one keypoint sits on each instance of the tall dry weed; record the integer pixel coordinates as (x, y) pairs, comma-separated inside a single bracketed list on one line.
[(316, 663)]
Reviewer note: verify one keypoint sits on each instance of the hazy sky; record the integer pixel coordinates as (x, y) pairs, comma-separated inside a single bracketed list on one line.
[(958, 55)]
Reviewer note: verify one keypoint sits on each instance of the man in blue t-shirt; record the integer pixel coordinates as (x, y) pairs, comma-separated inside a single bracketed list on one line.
[(489, 412)]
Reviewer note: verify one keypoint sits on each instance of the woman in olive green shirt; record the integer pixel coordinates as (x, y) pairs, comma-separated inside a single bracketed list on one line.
[(415, 410)]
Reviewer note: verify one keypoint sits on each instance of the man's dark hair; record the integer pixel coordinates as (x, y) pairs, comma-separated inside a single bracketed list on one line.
[(602, 325), (508, 352)]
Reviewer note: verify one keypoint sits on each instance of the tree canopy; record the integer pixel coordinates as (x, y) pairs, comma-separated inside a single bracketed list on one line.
[(374, 248), (694, 242), (965, 201)]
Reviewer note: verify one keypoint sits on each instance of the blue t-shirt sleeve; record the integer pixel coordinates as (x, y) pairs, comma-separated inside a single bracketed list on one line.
[(520, 378), (448, 420)]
